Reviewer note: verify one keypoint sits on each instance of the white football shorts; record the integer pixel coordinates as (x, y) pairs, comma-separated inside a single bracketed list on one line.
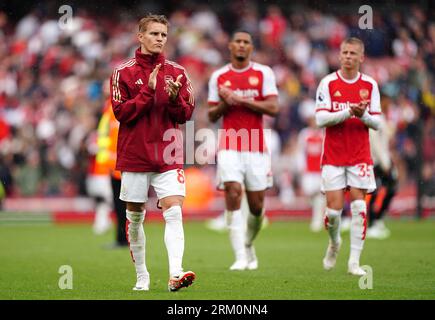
[(359, 176), (251, 169), (135, 185)]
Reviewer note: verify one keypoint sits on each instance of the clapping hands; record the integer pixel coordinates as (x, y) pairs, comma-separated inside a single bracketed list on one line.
[(359, 110), (172, 88), (152, 80), (228, 96)]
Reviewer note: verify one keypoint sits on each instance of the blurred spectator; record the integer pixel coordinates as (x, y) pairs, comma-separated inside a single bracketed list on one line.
[(51, 79), (272, 28)]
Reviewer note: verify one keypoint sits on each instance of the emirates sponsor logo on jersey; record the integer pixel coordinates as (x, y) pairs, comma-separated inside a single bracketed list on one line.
[(364, 93), (337, 94), (337, 106), (253, 81), (247, 93)]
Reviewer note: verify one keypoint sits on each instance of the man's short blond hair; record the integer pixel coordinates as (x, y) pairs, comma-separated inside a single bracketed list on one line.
[(143, 23), (353, 40)]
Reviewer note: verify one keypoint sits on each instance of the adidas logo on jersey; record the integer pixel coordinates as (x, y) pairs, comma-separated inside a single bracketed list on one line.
[(139, 81), (337, 94)]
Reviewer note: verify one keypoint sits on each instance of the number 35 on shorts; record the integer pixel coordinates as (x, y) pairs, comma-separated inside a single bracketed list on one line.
[(180, 176), (364, 170)]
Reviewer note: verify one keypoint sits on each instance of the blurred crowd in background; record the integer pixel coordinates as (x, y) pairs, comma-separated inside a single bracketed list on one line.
[(53, 81)]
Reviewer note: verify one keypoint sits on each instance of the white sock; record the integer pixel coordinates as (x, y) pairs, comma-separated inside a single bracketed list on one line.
[(318, 203), (332, 223), (244, 205), (358, 229), (136, 239), (237, 231), (253, 226), (174, 239)]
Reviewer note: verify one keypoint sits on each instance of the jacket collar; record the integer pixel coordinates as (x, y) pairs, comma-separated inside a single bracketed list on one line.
[(149, 60)]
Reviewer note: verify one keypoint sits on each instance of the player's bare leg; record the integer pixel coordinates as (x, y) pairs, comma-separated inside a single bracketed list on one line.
[(334, 208), (137, 240), (174, 241), (236, 223), (358, 229)]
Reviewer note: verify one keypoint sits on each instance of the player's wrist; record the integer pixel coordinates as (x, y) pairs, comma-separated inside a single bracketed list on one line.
[(364, 115), (243, 102), (174, 99)]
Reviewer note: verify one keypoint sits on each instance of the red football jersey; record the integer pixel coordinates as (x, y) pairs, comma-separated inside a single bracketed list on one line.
[(243, 128), (347, 143), (311, 142)]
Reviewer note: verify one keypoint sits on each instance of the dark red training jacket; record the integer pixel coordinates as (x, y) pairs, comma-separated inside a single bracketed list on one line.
[(145, 115)]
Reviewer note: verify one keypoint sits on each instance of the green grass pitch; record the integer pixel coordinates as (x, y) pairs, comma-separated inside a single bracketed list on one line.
[(289, 264)]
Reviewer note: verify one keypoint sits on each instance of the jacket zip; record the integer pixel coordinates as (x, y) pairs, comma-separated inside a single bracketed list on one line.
[(156, 155)]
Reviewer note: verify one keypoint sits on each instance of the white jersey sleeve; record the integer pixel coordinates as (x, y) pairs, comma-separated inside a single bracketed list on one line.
[(375, 100), (326, 119), (373, 121), (213, 93), (323, 98), (269, 83)]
